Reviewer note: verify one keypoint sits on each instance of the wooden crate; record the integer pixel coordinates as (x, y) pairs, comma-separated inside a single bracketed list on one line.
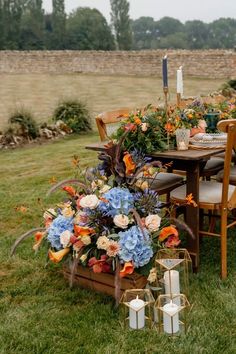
[(104, 282)]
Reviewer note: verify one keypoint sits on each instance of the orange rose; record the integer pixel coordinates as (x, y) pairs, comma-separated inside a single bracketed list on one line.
[(168, 231)]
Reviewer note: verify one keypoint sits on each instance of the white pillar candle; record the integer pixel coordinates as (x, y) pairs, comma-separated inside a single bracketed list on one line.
[(180, 85), (136, 313), (171, 281), (171, 318), (155, 315)]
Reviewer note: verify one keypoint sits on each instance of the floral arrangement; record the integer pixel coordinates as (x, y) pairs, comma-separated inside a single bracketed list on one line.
[(111, 220), (145, 129)]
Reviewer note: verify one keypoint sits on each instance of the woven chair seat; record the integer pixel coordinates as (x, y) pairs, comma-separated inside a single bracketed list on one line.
[(213, 166), (232, 175), (164, 182), (209, 192)]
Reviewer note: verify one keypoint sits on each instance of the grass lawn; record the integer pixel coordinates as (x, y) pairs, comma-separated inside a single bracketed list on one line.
[(39, 313), (41, 93)]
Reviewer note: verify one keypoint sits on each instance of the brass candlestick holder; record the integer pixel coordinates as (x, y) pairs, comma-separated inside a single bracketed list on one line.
[(178, 100)]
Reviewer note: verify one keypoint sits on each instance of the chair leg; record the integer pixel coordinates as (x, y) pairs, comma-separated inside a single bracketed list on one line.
[(224, 244)]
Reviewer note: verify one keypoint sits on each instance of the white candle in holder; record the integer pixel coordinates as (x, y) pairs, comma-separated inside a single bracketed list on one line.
[(171, 318), (180, 86), (171, 281), (182, 146), (136, 313)]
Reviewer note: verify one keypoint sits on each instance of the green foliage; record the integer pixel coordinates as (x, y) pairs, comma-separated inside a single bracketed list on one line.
[(32, 26), (87, 29), (75, 114), (24, 119), (58, 24), (143, 131), (121, 24)]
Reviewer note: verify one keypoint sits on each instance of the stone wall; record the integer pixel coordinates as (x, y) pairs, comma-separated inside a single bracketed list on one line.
[(200, 63)]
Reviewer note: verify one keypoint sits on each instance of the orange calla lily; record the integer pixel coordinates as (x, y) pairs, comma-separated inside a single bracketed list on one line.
[(127, 269), (38, 239), (168, 231), (70, 190), (83, 230), (129, 164), (56, 257)]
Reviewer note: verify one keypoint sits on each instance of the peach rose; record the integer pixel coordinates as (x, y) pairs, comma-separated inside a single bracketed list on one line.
[(121, 221), (152, 222), (90, 201)]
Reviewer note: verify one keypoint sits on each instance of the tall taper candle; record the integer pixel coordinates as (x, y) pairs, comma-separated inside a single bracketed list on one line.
[(164, 71), (180, 87)]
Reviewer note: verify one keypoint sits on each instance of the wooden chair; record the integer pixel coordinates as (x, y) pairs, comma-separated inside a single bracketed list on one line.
[(215, 196), (108, 122)]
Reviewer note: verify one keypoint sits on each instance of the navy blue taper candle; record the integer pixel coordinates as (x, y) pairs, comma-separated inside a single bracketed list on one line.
[(164, 71)]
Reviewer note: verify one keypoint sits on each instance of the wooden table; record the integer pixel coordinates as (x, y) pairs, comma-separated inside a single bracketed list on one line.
[(192, 161)]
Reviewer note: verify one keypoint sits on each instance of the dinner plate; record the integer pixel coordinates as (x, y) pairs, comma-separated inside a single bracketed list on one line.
[(214, 142)]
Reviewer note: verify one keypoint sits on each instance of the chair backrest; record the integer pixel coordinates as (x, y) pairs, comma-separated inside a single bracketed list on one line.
[(228, 126), (108, 122)]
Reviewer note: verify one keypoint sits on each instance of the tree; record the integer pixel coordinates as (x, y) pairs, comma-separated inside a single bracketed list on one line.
[(222, 33), (197, 34), (87, 29), (168, 25), (144, 32), (121, 24), (11, 12), (58, 25), (32, 26)]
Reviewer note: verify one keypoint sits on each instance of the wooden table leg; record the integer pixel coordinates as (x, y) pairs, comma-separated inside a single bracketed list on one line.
[(192, 213)]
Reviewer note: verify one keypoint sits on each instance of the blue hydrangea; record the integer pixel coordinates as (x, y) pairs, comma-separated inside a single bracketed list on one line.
[(59, 225), (135, 246), (120, 201)]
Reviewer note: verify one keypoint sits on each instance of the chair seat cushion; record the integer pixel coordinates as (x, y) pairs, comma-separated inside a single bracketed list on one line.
[(214, 164), (164, 181), (209, 192), (222, 155), (232, 177)]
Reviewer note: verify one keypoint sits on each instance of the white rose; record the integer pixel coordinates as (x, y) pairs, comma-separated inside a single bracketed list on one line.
[(152, 276), (152, 222), (65, 238), (90, 201), (102, 243), (121, 221), (67, 212), (144, 127), (105, 188)]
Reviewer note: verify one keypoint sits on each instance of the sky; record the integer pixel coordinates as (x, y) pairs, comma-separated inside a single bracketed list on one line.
[(183, 10)]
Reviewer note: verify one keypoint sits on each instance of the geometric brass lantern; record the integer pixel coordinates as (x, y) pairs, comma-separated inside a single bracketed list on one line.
[(172, 317), (137, 308), (172, 266)]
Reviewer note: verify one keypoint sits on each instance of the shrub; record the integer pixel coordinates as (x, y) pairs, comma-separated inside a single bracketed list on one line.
[(24, 119), (75, 114)]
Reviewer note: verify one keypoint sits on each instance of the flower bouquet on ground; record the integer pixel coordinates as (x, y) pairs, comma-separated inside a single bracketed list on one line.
[(110, 220)]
